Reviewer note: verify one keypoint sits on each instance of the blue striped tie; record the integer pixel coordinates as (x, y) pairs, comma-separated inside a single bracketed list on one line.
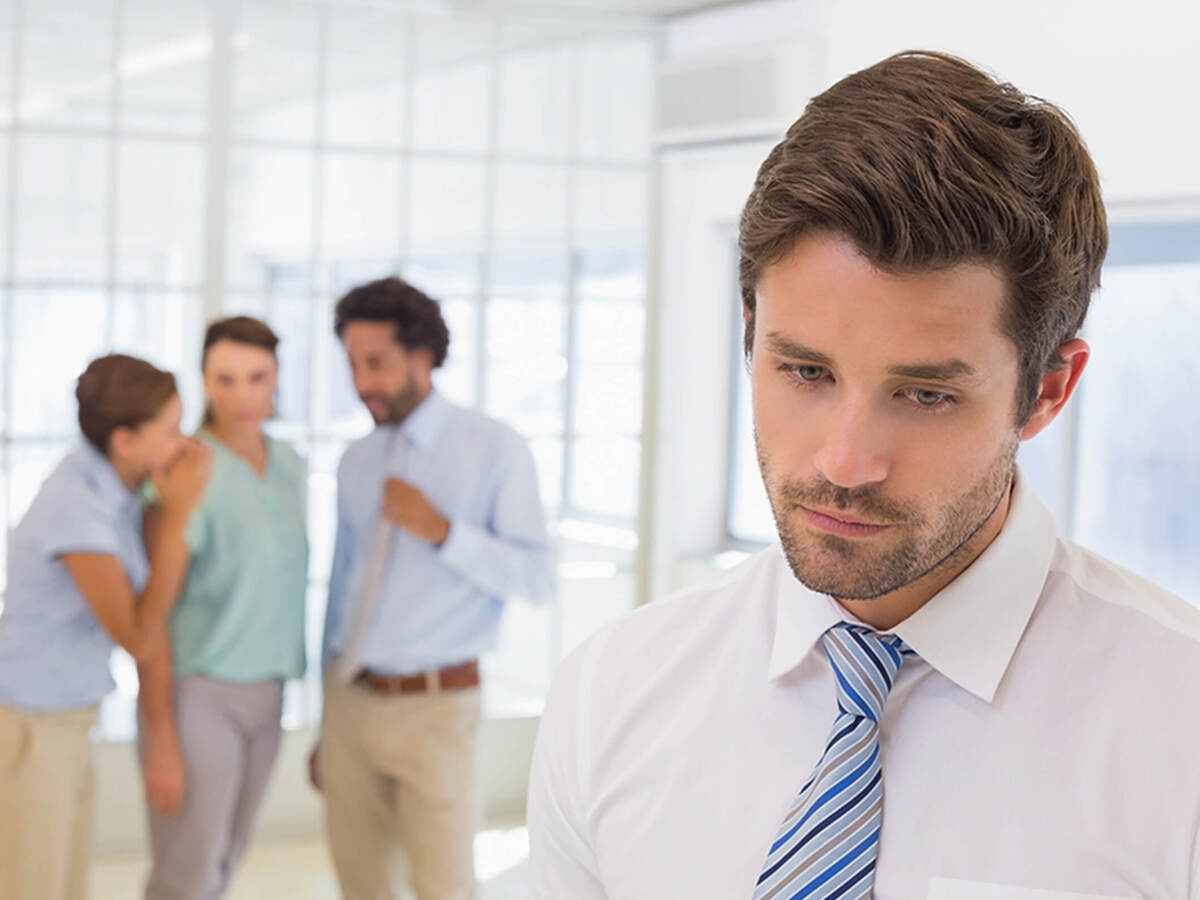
[(829, 841)]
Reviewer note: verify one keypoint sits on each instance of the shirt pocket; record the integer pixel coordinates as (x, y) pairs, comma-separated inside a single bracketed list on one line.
[(956, 889)]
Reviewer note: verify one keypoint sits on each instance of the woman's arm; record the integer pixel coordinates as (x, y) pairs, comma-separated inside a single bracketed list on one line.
[(163, 772), (138, 623)]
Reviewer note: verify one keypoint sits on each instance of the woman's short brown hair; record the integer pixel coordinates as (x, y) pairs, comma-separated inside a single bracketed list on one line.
[(241, 330), (924, 161), (118, 391)]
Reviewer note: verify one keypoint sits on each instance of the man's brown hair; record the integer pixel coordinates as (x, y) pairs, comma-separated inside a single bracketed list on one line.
[(923, 162), (118, 391)]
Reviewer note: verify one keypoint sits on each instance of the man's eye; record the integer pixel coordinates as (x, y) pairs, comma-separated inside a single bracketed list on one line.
[(809, 373), (928, 399)]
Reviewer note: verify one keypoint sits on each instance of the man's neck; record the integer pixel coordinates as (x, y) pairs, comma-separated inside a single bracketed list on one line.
[(886, 612)]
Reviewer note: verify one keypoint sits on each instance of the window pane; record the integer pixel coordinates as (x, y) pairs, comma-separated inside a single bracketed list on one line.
[(611, 331), (1139, 465), (531, 204), (364, 104), (750, 516), (456, 379), (451, 88), (323, 460), (337, 411), (360, 215), (444, 276), (609, 399), (73, 323), (160, 213), (533, 102), (5, 348), (29, 464), (4, 526), (166, 328), (526, 365), (275, 73), (611, 208), (292, 320), (611, 273), (7, 10), (446, 208), (62, 209), (164, 65), (605, 476), (614, 98), (66, 62), (548, 457), (270, 219), (4, 181), (528, 274)]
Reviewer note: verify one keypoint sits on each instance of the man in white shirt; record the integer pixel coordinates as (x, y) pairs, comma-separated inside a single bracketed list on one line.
[(923, 692)]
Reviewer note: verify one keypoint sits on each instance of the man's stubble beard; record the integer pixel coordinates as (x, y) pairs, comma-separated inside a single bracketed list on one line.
[(857, 570)]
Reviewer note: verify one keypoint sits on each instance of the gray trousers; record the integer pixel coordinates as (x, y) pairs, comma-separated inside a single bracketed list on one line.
[(229, 734)]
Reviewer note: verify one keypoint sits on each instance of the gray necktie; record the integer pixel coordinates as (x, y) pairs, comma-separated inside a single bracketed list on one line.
[(372, 580)]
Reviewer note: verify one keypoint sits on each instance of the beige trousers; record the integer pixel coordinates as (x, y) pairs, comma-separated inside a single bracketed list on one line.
[(46, 799), (401, 793)]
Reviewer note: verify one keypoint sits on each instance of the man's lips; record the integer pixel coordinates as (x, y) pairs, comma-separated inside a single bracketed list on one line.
[(841, 523)]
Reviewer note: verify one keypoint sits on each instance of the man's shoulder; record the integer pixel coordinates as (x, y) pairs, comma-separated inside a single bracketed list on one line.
[(361, 448), (480, 425), (1140, 608)]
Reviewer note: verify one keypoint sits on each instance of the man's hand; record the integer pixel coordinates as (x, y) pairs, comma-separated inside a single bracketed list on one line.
[(163, 772), (406, 507)]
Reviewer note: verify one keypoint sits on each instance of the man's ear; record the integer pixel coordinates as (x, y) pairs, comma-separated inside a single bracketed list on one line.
[(1057, 387)]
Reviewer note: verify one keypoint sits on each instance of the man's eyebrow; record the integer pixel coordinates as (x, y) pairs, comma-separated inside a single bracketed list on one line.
[(944, 370), (781, 346)]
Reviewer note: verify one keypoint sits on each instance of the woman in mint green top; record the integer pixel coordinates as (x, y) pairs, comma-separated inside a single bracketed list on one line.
[(209, 717)]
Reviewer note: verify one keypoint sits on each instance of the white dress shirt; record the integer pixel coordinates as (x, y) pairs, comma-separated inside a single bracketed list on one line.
[(1046, 740)]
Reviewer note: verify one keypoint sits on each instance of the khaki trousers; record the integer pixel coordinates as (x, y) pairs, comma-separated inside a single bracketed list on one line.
[(46, 803), (401, 792)]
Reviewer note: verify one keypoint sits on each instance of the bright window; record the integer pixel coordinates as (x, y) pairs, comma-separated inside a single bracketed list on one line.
[(498, 163)]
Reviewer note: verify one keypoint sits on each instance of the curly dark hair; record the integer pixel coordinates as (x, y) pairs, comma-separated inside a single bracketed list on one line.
[(417, 316)]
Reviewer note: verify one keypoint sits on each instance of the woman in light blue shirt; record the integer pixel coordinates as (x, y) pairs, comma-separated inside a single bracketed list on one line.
[(80, 583), (210, 726)]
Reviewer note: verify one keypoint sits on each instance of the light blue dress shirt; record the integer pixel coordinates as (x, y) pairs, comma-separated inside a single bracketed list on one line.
[(54, 653), (438, 606)]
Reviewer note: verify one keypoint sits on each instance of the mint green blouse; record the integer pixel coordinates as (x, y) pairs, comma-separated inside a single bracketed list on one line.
[(240, 615)]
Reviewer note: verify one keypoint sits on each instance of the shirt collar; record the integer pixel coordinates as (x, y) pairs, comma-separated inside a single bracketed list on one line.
[(970, 629), (423, 424), (99, 472)]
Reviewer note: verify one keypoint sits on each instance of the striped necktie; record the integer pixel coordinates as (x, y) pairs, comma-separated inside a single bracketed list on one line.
[(829, 841)]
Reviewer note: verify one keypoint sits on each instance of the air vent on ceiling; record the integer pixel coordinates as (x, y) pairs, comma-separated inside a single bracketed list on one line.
[(755, 91)]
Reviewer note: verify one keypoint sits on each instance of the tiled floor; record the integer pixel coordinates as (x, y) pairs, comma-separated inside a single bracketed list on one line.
[(302, 871)]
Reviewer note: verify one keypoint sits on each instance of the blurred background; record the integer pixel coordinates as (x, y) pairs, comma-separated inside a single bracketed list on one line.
[(565, 176)]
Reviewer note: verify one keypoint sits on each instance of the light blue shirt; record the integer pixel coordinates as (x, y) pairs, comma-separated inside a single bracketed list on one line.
[(240, 614), (438, 606), (54, 653)]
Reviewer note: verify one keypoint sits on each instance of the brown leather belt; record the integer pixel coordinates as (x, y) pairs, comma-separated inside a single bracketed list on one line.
[(452, 678)]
